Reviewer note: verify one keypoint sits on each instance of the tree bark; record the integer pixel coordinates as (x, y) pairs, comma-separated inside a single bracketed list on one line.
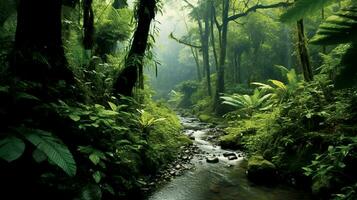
[(213, 16), (38, 52), (222, 59), (127, 78), (205, 49), (237, 69), (303, 52), (197, 61)]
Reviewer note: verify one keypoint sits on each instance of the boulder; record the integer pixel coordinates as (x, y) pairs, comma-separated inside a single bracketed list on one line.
[(205, 118), (261, 171), (227, 154), (230, 141), (212, 159), (232, 157)]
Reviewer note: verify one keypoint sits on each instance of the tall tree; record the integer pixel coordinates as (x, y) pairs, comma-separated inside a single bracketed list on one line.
[(38, 52), (223, 31), (204, 32), (133, 68), (303, 52)]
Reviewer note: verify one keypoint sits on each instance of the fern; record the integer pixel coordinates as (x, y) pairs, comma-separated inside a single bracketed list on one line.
[(11, 148), (258, 100), (339, 28), (302, 8), (53, 147)]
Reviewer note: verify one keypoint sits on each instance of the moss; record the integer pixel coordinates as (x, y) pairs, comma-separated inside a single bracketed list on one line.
[(261, 170), (231, 141), (165, 137), (205, 118)]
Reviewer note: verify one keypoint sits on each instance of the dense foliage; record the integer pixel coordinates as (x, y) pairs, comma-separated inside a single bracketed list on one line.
[(305, 127), (78, 120)]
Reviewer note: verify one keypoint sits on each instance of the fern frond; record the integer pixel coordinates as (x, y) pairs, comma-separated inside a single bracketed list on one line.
[(302, 8), (338, 29)]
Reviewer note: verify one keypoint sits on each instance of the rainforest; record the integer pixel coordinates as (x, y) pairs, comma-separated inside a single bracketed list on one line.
[(178, 99)]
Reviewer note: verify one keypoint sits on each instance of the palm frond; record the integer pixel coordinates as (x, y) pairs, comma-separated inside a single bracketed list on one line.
[(302, 8), (339, 28)]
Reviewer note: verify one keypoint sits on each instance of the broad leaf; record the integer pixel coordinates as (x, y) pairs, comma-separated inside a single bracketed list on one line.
[(112, 106), (53, 147), (11, 148), (74, 117), (39, 156)]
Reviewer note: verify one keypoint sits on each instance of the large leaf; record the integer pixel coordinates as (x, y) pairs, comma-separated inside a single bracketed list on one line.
[(53, 147), (279, 84), (11, 148), (338, 29), (303, 8)]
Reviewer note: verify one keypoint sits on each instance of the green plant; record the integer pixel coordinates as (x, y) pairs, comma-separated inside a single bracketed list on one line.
[(48, 146), (175, 97), (326, 168), (257, 101), (146, 121), (302, 8)]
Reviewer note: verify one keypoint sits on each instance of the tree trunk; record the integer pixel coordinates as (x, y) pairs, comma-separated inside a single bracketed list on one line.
[(237, 69), (213, 13), (303, 52), (134, 62), (205, 50), (38, 52), (204, 37), (222, 58), (197, 61), (323, 18)]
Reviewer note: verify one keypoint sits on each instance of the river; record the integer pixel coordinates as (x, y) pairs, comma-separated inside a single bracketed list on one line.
[(225, 180)]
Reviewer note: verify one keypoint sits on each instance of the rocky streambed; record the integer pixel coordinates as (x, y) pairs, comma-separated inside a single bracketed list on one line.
[(205, 171)]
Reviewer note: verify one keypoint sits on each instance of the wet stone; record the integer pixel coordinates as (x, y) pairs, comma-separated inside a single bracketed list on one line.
[(212, 160), (233, 157), (227, 154)]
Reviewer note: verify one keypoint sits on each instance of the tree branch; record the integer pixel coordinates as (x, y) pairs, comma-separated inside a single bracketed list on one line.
[(184, 42), (190, 4), (256, 7)]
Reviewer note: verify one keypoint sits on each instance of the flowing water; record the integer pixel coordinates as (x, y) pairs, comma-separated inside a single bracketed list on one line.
[(225, 180)]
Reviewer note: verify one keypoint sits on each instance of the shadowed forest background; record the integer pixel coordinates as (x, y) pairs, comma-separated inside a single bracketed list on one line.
[(105, 99)]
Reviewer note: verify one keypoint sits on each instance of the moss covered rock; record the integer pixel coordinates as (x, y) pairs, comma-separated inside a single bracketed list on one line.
[(231, 141), (205, 118), (261, 171)]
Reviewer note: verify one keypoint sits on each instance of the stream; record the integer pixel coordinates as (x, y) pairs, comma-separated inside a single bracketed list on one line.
[(225, 180)]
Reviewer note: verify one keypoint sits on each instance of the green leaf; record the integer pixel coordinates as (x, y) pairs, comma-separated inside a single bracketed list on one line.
[(53, 147), (109, 113), (23, 95), (39, 156), (91, 192), (11, 148), (112, 106), (4, 89), (94, 158), (303, 8), (279, 84), (74, 117), (97, 176), (338, 29), (109, 189)]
